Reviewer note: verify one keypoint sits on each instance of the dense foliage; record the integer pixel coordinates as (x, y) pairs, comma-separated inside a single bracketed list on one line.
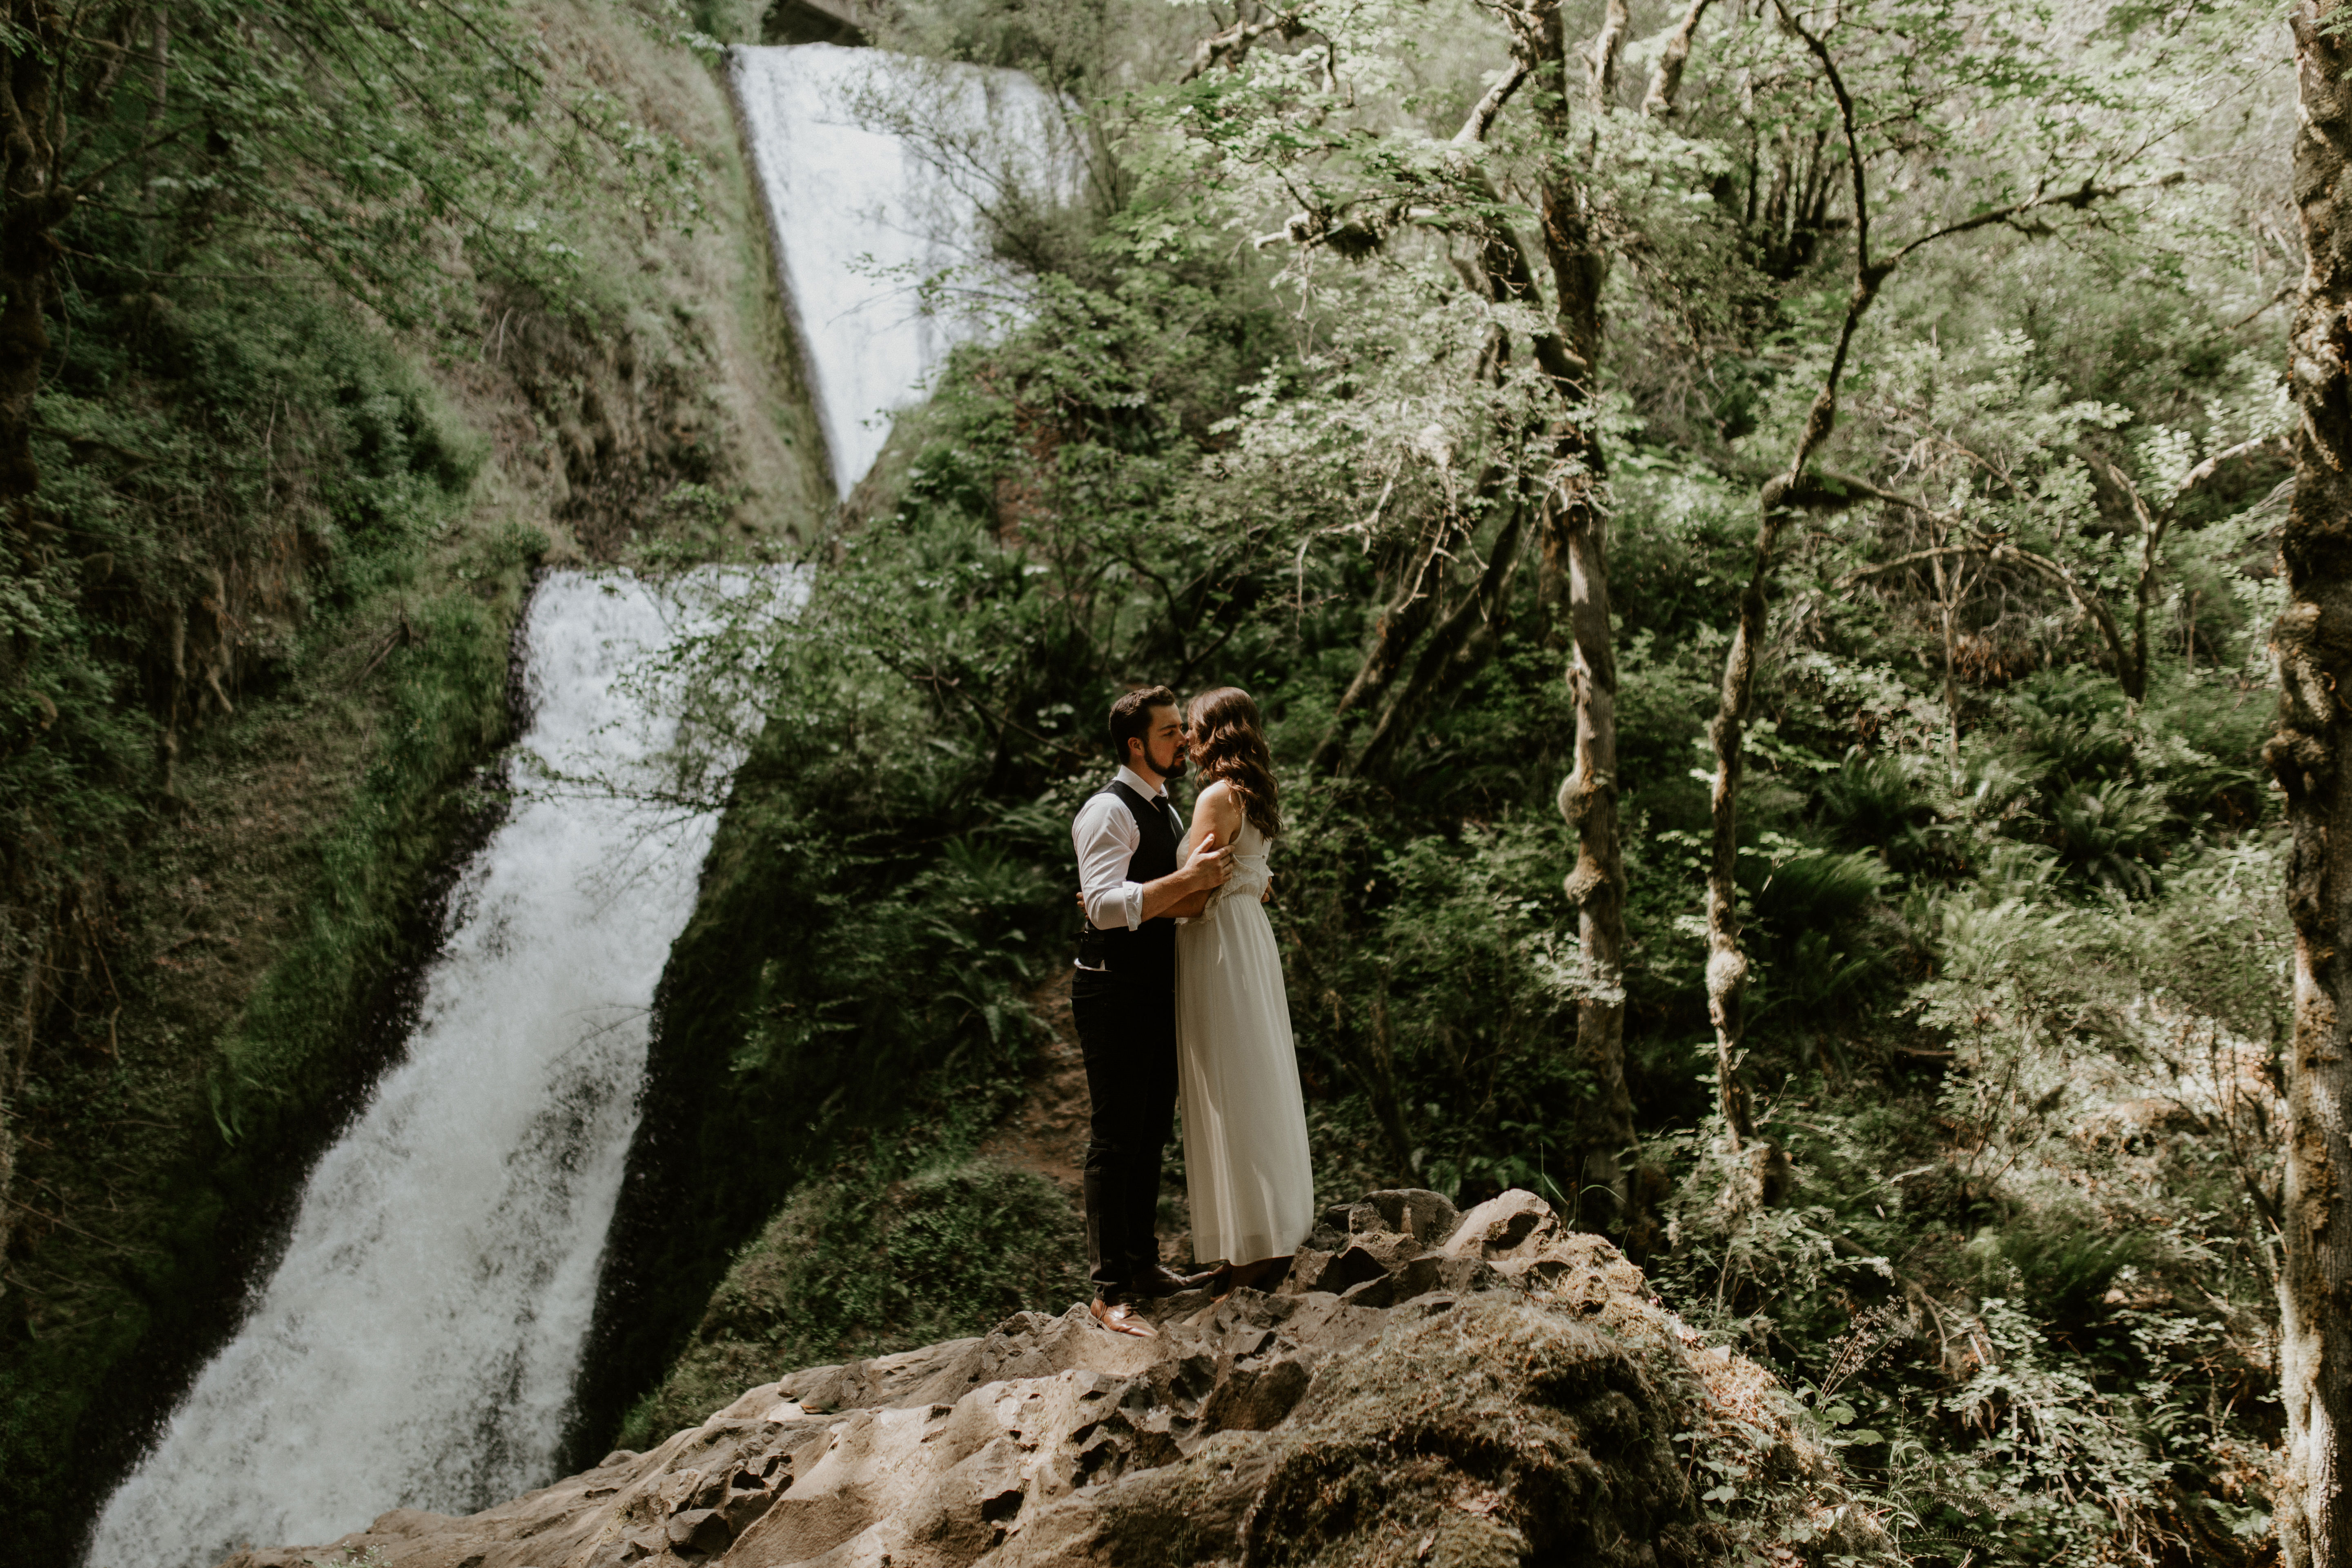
[(2006, 865), (304, 312)]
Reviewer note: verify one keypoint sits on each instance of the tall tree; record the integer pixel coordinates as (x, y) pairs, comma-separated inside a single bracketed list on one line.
[(1551, 477), (2312, 755), (2042, 163)]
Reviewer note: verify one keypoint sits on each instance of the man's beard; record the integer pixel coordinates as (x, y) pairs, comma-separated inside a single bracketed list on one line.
[(1175, 769)]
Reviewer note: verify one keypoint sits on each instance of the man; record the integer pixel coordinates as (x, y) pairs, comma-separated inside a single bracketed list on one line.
[(1124, 997)]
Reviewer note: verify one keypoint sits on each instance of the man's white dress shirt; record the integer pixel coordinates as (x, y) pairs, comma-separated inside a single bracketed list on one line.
[(1106, 837)]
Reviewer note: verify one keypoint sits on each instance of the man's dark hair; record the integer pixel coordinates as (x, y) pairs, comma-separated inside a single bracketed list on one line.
[(1130, 716)]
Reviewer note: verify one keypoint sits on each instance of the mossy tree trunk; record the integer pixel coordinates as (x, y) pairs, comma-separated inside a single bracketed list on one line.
[(2312, 754), (1576, 559)]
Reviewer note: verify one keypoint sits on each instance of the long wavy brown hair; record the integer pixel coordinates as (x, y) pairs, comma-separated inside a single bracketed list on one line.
[(1229, 744)]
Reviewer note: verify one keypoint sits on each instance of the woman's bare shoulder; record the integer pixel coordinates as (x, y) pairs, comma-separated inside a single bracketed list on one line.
[(1216, 799)]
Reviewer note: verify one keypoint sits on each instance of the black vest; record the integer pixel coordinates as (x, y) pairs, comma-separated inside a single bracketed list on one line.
[(1146, 955)]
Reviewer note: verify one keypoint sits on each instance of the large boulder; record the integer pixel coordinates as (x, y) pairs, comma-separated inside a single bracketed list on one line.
[(1490, 1388)]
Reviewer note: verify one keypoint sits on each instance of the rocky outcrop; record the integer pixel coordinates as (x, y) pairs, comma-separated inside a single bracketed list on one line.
[(1490, 1388)]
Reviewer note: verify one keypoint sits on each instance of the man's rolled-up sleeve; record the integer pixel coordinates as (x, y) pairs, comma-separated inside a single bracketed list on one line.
[(1103, 851)]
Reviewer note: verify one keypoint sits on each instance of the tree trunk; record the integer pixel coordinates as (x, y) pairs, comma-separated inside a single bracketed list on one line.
[(2135, 679), (1572, 547), (1726, 962), (1588, 800), (1576, 560), (1387, 1105), (1667, 81), (1420, 588), (1947, 602), (2312, 754), (1499, 268)]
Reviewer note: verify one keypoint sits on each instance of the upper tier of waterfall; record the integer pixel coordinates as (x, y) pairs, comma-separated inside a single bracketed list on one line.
[(883, 175), (418, 1342)]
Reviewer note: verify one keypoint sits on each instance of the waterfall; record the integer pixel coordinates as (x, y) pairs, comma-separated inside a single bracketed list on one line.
[(882, 175), (417, 1344)]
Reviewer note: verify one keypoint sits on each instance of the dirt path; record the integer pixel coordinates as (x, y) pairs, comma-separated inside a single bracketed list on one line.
[(1047, 1130)]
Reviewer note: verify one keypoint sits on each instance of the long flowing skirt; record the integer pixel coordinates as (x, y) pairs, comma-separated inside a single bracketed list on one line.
[(1245, 1157)]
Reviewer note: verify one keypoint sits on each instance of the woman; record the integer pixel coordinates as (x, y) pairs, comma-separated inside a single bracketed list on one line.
[(1246, 1161)]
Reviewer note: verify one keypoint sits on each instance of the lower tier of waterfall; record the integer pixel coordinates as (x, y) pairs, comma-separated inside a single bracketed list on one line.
[(417, 1344)]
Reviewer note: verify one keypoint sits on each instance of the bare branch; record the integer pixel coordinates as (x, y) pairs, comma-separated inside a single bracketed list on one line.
[(1227, 47), (2087, 601), (1822, 416), (1666, 81), (1940, 553), (92, 181), (2285, 292), (1482, 118), (2081, 196), (2212, 464), (1600, 57), (2131, 492), (1452, 653), (1847, 124), (1995, 548)]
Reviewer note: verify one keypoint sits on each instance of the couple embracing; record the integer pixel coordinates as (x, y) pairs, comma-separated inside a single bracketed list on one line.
[(1179, 984)]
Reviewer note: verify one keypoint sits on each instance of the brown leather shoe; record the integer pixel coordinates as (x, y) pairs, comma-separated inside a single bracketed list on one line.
[(1159, 1281), (1119, 1318)]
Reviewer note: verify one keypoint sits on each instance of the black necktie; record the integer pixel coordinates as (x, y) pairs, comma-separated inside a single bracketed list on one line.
[(1174, 822)]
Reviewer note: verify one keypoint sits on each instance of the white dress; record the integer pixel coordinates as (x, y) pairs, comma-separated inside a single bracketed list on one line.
[(1246, 1161)]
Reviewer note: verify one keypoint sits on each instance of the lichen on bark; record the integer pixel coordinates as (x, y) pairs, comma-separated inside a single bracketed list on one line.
[(2312, 644)]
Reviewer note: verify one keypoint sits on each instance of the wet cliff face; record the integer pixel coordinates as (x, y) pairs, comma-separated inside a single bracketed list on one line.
[(1487, 1389), (440, 1264)]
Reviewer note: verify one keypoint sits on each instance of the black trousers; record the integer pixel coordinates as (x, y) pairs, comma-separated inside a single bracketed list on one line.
[(1127, 1035)]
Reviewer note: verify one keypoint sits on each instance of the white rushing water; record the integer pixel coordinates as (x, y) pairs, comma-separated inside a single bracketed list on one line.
[(417, 1344), (879, 173)]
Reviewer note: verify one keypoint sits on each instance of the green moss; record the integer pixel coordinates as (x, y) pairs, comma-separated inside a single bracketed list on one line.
[(837, 1005), (447, 715)]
